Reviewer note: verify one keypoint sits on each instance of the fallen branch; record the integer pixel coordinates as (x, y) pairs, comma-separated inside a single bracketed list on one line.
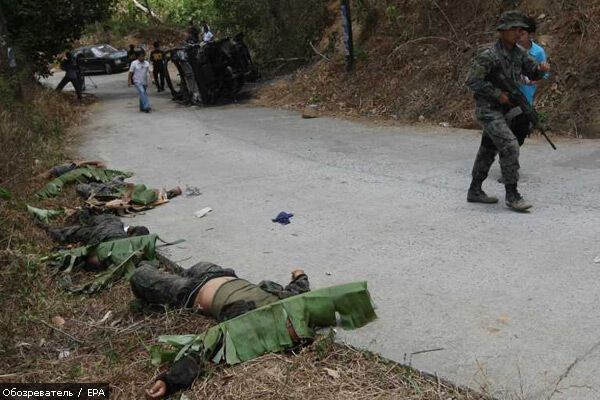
[(422, 39), (446, 17), (285, 60), (319, 53), (146, 10), (61, 331)]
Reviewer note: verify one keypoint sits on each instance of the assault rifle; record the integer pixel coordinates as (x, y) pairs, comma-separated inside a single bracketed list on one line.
[(517, 99)]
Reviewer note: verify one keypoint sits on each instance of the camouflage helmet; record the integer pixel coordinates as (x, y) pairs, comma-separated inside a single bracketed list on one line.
[(512, 19)]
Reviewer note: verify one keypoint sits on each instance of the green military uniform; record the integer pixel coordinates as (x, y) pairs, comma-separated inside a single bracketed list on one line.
[(497, 137)]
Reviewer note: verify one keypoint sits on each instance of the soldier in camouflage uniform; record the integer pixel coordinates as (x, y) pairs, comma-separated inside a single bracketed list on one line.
[(492, 105)]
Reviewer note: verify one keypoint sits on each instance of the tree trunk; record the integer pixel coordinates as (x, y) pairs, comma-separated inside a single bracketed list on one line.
[(3, 43), (146, 9), (278, 20)]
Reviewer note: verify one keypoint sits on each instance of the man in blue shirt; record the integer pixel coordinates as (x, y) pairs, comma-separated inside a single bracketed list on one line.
[(520, 124), (536, 52)]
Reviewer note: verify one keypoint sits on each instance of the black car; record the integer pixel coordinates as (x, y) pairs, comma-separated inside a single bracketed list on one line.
[(101, 58)]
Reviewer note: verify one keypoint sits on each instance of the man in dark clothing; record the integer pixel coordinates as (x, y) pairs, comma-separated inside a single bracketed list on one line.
[(214, 291), (493, 105), (93, 229), (132, 54), (72, 74), (193, 33), (157, 58), (81, 76)]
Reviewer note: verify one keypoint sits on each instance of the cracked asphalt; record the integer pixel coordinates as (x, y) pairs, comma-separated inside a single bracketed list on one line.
[(482, 296)]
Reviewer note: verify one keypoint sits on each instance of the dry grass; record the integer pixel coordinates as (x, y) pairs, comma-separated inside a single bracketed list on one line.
[(325, 371), (112, 350), (33, 132), (413, 62)]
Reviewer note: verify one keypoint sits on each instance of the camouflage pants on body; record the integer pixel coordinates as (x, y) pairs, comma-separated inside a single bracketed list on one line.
[(497, 138)]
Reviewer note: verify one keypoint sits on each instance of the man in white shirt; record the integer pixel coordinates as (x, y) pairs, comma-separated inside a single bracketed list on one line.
[(207, 35), (138, 76)]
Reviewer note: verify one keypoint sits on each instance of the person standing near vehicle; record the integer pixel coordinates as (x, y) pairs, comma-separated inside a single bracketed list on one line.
[(138, 76), (504, 58), (81, 74), (72, 74), (193, 33), (207, 35), (157, 56), (132, 55)]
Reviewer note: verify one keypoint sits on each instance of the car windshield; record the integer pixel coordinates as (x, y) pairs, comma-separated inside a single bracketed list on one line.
[(104, 49)]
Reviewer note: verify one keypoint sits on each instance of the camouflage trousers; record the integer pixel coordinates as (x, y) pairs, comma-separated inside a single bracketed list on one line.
[(498, 139)]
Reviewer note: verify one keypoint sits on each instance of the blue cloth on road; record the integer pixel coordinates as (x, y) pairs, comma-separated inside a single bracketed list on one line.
[(538, 54), (283, 218)]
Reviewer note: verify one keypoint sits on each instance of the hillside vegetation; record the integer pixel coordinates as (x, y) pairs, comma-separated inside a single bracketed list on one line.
[(413, 58)]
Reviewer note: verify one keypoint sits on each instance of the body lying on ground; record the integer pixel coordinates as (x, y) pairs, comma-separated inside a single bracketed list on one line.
[(123, 196), (59, 170), (110, 261), (92, 229), (215, 292)]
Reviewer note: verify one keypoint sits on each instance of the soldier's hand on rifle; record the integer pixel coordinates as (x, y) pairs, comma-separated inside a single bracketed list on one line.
[(544, 67), (503, 99)]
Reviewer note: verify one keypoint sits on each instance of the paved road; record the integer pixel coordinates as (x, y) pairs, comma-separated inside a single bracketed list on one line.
[(477, 294)]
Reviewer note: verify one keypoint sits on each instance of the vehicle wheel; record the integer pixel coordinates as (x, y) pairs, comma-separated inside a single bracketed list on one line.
[(108, 68)]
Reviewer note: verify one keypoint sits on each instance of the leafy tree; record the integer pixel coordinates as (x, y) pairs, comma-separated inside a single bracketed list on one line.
[(275, 28), (40, 29)]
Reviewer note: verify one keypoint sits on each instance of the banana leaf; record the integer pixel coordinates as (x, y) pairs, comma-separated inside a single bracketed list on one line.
[(120, 255), (80, 175), (144, 196), (43, 214), (105, 279), (265, 330)]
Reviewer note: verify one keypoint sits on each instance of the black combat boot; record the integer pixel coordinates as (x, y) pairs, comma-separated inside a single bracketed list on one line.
[(514, 200), (173, 192), (155, 287), (477, 195)]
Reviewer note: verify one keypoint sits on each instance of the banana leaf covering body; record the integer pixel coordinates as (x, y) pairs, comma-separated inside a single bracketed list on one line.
[(138, 193), (119, 257), (264, 330), (44, 215), (123, 197), (79, 175)]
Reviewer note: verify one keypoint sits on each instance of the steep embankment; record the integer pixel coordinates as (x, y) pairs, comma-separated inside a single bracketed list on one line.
[(413, 58)]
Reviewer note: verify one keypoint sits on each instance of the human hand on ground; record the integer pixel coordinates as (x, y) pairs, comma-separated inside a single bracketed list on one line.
[(157, 391)]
